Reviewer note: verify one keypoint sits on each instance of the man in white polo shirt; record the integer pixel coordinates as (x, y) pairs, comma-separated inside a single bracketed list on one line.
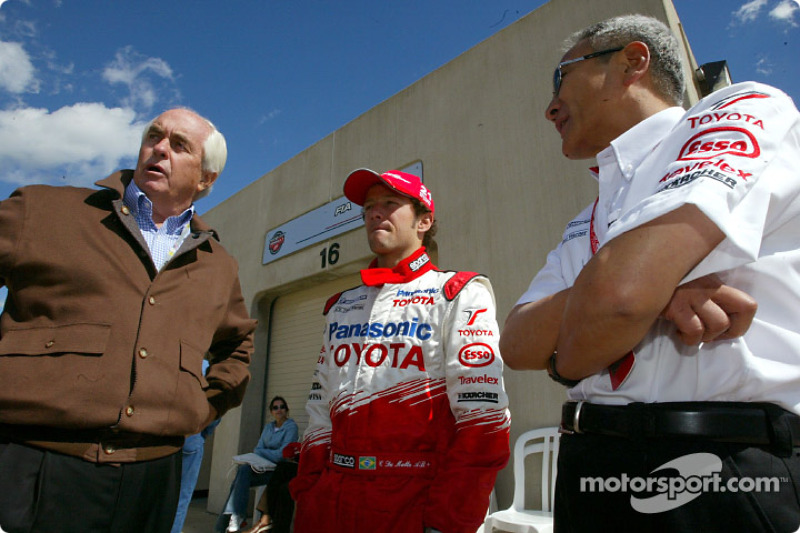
[(673, 414)]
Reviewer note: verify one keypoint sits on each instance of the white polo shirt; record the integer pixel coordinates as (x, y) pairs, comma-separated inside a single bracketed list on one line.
[(736, 156)]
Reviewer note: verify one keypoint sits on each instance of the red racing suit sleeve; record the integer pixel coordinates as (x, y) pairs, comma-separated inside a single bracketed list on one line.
[(459, 494), (316, 443)]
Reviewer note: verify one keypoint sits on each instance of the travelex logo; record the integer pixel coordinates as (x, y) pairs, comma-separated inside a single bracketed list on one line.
[(697, 473), (412, 328)]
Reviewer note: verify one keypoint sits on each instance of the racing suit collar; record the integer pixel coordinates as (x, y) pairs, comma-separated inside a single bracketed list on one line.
[(406, 270)]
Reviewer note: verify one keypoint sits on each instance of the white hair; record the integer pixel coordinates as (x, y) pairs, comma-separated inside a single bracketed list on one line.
[(215, 154)]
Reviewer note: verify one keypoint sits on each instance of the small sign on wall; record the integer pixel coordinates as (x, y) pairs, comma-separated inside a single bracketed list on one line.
[(325, 222)]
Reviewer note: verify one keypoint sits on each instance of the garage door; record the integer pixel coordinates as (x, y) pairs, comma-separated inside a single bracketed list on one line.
[(295, 342)]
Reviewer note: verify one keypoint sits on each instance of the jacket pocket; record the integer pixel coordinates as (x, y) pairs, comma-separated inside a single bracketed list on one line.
[(54, 376), (88, 339), (192, 362), (189, 408)]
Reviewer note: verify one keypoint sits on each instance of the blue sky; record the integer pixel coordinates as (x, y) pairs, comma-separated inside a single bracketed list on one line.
[(79, 78)]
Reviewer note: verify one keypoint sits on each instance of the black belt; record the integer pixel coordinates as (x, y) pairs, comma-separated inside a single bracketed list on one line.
[(735, 422), (121, 439)]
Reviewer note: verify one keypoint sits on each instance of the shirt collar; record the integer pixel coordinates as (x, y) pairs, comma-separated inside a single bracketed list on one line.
[(406, 270), (630, 148), (142, 208)]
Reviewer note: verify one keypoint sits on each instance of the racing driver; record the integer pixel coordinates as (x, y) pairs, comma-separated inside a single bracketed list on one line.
[(408, 417)]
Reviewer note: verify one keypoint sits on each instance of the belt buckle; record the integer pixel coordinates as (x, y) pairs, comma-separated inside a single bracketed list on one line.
[(576, 416)]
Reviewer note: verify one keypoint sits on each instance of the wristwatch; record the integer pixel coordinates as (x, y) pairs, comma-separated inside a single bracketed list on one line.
[(555, 376)]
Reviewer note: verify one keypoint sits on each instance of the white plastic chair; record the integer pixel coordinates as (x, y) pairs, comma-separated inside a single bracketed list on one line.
[(492, 509), (518, 519)]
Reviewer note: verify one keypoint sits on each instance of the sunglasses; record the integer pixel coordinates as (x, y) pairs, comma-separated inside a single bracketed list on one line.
[(557, 73), (276, 407)]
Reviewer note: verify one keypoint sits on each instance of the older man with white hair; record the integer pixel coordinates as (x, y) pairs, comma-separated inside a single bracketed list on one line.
[(115, 296)]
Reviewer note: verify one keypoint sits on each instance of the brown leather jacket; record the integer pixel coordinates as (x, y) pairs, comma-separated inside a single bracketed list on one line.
[(100, 354)]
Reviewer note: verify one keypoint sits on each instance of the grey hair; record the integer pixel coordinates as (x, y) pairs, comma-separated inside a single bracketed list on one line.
[(665, 57), (215, 150)]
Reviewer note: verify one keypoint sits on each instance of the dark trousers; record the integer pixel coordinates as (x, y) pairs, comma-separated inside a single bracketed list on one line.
[(46, 492), (602, 486), (280, 504)]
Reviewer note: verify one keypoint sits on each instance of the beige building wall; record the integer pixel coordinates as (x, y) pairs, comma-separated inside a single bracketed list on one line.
[(503, 194)]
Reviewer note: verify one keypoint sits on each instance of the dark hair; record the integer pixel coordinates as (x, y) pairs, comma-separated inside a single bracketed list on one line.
[(281, 398), (420, 209)]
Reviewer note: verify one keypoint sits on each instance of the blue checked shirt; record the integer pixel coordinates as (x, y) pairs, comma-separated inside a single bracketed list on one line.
[(164, 241)]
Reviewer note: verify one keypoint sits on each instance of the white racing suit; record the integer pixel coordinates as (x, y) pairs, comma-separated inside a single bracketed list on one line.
[(408, 417)]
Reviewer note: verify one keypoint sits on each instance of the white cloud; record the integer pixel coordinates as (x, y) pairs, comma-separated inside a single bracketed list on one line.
[(786, 11), (136, 72), (17, 74), (51, 60), (25, 28), (80, 143), (75, 145), (764, 67), (749, 12), (269, 116)]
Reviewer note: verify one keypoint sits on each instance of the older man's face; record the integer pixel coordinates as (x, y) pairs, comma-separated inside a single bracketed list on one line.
[(586, 107), (170, 170)]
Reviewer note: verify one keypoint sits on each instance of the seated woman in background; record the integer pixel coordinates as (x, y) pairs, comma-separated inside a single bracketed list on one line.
[(274, 438)]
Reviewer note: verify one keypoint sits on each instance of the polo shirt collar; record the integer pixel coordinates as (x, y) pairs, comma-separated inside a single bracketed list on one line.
[(629, 149)]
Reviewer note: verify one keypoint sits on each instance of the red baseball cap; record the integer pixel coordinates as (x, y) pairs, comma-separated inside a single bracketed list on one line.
[(359, 181)]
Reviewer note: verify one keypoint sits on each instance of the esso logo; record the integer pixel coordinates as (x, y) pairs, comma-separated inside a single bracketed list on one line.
[(715, 142), (476, 354)]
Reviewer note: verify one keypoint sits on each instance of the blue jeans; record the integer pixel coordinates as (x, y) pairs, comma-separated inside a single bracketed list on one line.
[(192, 455), (240, 493)]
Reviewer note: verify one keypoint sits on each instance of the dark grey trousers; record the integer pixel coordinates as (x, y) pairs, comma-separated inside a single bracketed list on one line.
[(42, 491)]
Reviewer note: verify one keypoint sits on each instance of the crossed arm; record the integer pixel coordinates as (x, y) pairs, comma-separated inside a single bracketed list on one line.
[(619, 294)]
